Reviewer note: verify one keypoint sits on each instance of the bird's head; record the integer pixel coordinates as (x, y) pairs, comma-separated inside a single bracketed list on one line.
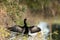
[(25, 19)]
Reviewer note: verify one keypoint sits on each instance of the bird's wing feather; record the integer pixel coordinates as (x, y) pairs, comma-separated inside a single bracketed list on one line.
[(16, 28), (34, 29)]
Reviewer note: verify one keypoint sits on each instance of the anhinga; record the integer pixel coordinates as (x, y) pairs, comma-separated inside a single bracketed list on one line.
[(24, 29)]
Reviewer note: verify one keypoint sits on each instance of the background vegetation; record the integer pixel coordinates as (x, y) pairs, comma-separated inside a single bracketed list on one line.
[(14, 11)]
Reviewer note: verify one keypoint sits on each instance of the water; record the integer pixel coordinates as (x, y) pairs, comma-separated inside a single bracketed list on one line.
[(44, 29)]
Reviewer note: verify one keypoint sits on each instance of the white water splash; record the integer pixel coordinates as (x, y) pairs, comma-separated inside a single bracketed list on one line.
[(44, 29)]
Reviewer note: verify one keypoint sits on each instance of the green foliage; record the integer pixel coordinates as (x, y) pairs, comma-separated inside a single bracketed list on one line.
[(14, 10), (56, 36), (35, 5), (4, 32), (3, 1)]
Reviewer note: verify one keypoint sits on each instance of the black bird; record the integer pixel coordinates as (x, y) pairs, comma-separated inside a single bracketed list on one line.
[(24, 29)]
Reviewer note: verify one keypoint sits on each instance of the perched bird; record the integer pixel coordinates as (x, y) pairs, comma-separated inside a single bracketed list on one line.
[(24, 29)]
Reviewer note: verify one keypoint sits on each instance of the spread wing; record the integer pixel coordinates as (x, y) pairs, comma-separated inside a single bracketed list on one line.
[(16, 28), (34, 29)]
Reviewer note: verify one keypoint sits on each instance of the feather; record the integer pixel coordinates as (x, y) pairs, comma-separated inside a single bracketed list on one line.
[(16, 28), (34, 29)]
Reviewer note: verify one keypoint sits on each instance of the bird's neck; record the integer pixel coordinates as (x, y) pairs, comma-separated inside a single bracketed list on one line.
[(25, 22)]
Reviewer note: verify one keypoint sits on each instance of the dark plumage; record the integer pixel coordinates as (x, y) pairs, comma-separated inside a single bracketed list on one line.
[(16, 28), (24, 29)]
